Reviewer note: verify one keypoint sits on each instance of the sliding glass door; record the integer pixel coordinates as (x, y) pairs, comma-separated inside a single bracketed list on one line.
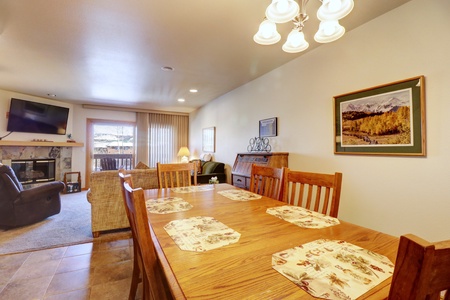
[(110, 145)]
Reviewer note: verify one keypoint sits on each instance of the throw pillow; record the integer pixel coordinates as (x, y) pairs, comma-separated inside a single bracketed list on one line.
[(141, 165), (206, 156)]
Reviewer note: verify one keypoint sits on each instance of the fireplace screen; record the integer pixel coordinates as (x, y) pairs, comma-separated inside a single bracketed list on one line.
[(34, 170)]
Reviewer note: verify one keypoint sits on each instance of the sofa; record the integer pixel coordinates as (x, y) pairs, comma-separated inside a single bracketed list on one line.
[(208, 169), (105, 196), (19, 207)]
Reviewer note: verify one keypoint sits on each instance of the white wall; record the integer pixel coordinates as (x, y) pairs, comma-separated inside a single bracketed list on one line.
[(395, 195)]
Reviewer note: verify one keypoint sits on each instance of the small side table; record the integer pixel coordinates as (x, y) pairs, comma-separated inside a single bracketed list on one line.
[(72, 186)]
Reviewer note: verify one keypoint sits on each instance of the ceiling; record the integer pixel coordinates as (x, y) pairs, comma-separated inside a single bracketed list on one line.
[(110, 52)]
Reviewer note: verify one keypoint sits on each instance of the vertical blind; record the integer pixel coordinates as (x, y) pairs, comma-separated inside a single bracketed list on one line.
[(163, 134)]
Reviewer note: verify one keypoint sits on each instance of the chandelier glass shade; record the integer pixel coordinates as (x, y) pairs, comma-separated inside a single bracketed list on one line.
[(267, 33), (334, 9), (329, 31), (295, 42), (282, 11)]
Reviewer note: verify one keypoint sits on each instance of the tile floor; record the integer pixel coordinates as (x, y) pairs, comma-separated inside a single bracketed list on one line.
[(98, 270)]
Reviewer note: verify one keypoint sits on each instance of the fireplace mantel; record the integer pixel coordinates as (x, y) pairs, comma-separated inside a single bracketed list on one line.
[(42, 144)]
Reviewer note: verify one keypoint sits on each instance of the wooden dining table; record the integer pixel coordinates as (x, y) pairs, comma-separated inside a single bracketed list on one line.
[(243, 270)]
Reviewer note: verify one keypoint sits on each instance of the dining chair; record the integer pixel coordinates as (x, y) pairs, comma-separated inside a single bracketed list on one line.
[(314, 191), (176, 175), (155, 286), (137, 259), (422, 270), (266, 181)]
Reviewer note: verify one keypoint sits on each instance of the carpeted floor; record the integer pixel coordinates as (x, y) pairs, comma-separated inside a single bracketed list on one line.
[(71, 226)]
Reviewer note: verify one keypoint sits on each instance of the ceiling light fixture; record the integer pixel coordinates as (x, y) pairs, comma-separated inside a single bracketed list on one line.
[(181, 100), (193, 90), (283, 11)]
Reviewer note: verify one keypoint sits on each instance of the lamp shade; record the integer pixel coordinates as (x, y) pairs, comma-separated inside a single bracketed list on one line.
[(184, 151)]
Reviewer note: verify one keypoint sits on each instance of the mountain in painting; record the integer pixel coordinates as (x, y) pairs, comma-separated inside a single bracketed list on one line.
[(375, 105)]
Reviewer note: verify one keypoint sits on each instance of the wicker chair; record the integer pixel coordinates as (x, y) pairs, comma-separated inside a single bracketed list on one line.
[(105, 196)]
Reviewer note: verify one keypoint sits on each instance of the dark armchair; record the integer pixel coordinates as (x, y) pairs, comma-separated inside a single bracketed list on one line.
[(208, 169), (19, 207)]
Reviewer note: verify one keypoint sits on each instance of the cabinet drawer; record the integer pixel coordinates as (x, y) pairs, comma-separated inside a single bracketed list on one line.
[(239, 181)]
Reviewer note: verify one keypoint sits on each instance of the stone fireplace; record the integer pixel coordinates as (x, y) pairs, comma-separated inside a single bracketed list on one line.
[(60, 157)]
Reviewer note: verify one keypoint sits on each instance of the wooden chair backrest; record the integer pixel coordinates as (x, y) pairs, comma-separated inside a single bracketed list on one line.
[(126, 178), (155, 286), (176, 175), (422, 270), (266, 181), (137, 259), (314, 191), (108, 163)]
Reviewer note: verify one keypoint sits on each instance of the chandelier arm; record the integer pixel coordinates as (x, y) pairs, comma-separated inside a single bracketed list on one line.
[(303, 6), (302, 17)]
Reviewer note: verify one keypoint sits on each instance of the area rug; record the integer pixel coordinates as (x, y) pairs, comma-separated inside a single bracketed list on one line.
[(71, 226)]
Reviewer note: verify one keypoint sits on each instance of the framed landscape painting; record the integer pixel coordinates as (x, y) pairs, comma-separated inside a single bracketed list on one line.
[(383, 120), (209, 139)]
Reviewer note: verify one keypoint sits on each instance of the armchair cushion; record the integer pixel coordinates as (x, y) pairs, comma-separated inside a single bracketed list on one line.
[(211, 169)]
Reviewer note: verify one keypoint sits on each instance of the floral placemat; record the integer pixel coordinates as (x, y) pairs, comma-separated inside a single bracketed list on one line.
[(201, 234), (240, 195), (302, 217), (330, 269), (167, 205), (194, 188)]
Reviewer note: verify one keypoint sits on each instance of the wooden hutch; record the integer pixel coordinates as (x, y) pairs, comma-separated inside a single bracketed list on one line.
[(240, 174)]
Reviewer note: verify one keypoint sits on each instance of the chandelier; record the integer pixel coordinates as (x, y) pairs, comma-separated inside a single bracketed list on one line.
[(283, 11)]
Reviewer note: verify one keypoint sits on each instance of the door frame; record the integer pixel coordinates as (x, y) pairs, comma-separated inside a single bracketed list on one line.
[(90, 142)]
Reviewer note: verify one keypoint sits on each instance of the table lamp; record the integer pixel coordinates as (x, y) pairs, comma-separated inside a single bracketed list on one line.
[(184, 153)]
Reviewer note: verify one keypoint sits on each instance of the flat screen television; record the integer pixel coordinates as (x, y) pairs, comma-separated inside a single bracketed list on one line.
[(34, 117)]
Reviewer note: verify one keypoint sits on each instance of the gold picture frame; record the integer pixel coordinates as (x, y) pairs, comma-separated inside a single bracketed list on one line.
[(387, 119)]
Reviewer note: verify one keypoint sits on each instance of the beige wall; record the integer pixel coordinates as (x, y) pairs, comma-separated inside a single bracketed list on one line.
[(5, 100), (76, 125), (395, 195)]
